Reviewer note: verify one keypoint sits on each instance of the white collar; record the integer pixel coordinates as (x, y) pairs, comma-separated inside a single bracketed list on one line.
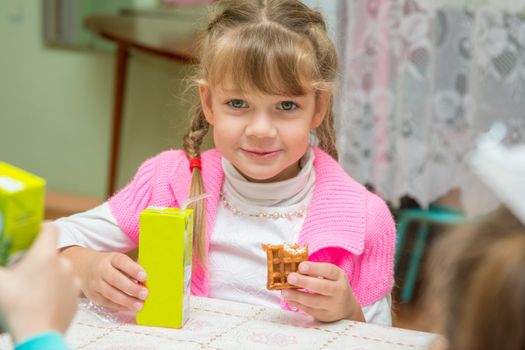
[(282, 193)]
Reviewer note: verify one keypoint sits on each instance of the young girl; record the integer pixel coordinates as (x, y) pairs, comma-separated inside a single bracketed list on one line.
[(265, 80)]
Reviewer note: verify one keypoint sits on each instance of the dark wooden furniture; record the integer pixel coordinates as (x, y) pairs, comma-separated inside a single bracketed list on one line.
[(171, 34)]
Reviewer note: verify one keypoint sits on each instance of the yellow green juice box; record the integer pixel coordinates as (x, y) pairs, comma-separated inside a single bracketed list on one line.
[(165, 253), (21, 209)]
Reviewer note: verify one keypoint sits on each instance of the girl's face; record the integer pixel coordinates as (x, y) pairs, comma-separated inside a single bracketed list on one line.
[(263, 136)]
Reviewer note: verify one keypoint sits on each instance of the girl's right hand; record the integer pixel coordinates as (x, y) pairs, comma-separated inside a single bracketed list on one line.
[(112, 279)]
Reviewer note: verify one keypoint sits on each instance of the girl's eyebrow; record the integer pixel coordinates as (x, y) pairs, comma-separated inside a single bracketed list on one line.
[(231, 91), (240, 92), (292, 96)]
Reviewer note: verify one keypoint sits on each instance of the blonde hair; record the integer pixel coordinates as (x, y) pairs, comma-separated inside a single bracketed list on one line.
[(274, 46), (478, 274)]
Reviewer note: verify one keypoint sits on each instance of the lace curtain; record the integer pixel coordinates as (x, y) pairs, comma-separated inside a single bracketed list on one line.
[(420, 81)]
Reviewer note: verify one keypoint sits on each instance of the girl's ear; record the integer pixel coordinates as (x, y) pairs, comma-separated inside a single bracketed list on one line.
[(322, 102), (205, 96)]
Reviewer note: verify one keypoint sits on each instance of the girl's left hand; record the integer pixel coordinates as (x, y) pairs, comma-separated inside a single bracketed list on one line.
[(331, 298)]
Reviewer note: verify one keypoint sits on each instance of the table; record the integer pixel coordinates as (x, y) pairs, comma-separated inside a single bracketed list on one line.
[(219, 324), (168, 34)]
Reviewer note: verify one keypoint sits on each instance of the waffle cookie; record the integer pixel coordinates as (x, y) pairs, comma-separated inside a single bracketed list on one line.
[(282, 260)]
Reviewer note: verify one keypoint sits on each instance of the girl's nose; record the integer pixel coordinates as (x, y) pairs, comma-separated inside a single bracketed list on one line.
[(261, 125)]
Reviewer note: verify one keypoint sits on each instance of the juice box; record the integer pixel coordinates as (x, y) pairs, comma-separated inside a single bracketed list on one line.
[(165, 253), (21, 209)]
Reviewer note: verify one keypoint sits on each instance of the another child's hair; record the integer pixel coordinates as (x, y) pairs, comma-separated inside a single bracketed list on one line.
[(273, 46), (477, 289)]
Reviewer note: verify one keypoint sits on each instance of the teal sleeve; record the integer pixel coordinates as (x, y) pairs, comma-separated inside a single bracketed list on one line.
[(43, 341)]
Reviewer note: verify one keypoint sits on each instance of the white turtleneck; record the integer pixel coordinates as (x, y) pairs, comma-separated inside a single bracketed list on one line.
[(237, 263)]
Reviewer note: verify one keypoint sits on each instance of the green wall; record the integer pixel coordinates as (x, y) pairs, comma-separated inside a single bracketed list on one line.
[(56, 105)]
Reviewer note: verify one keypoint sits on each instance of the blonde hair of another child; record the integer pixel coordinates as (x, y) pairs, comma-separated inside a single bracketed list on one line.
[(277, 47), (476, 295)]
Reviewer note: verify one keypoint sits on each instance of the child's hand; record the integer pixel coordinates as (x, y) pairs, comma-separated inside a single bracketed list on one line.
[(112, 280), (332, 297), (40, 292)]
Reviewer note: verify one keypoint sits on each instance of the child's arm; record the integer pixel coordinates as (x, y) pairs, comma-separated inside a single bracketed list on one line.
[(112, 280), (96, 228), (332, 298)]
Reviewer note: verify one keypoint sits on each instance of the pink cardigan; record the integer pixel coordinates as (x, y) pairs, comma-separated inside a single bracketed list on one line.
[(345, 224)]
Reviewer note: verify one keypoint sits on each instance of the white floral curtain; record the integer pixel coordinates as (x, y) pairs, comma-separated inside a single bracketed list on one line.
[(420, 81)]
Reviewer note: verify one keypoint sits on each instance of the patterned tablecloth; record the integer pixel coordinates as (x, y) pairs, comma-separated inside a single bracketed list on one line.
[(219, 324)]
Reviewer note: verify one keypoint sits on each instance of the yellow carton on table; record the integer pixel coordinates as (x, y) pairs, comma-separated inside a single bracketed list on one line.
[(165, 252), (21, 208)]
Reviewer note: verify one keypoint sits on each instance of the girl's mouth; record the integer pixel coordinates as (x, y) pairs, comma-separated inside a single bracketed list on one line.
[(260, 154)]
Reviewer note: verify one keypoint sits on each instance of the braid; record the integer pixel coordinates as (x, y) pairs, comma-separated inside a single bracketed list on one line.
[(192, 142)]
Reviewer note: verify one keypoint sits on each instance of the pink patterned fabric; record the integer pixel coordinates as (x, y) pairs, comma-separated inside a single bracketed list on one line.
[(345, 224)]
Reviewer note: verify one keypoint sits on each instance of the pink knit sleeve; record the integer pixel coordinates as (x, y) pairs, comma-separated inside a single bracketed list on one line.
[(371, 274), (149, 187), (374, 269)]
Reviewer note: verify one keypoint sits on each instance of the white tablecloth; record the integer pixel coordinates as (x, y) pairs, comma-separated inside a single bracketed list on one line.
[(219, 324)]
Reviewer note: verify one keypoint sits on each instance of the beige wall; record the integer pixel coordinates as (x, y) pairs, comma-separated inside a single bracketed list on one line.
[(55, 106)]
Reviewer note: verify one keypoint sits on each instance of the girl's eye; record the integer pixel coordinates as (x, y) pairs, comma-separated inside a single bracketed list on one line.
[(236, 103), (287, 106)]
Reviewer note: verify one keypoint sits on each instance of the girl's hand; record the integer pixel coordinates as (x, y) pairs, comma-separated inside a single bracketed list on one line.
[(331, 298), (112, 280)]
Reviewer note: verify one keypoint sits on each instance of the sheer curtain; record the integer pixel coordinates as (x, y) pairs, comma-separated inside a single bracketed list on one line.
[(420, 80)]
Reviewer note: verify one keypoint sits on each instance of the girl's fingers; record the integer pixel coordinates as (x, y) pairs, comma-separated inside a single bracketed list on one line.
[(121, 282), (120, 298), (125, 264), (314, 284), (324, 270), (101, 300), (314, 301), (310, 311)]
